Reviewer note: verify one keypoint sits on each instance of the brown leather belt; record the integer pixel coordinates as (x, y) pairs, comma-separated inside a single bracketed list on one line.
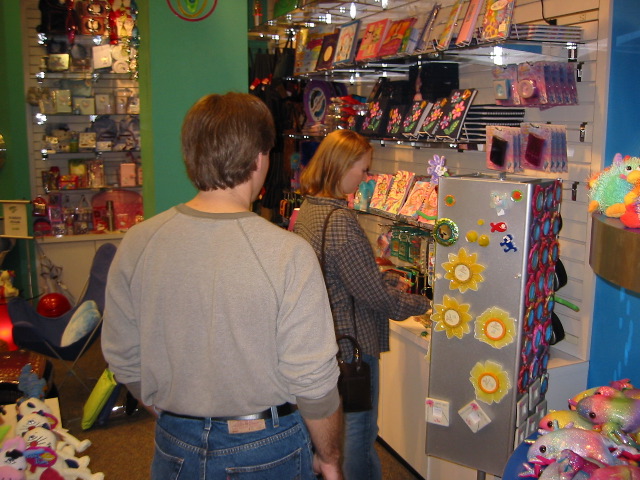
[(283, 410)]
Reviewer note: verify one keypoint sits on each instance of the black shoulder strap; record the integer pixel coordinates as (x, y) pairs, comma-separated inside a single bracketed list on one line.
[(324, 239)]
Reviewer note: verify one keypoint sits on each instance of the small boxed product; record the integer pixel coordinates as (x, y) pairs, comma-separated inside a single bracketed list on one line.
[(68, 182), (104, 104), (87, 140), (128, 174)]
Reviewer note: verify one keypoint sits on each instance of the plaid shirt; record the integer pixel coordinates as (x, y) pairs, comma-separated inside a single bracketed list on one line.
[(351, 272)]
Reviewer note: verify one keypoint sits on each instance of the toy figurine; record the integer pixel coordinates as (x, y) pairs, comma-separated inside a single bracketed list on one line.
[(608, 188), (617, 416)]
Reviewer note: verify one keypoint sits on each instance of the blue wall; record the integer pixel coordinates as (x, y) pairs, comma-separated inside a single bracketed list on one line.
[(615, 350)]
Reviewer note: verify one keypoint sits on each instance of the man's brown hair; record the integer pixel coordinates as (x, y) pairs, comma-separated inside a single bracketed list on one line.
[(222, 136)]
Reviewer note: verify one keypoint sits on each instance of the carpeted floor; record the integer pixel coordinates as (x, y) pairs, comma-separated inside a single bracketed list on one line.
[(122, 448)]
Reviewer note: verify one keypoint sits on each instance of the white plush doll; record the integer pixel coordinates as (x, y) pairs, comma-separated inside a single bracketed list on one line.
[(34, 420), (45, 456), (33, 412)]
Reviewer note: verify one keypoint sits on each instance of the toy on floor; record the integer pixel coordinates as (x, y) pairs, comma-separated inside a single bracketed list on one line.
[(31, 384), (608, 188), (13, 463), (35, 413), (41, 449), (46, 457)]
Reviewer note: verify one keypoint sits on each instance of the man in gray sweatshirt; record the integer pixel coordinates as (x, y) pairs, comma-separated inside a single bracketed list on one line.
[(219, 320)]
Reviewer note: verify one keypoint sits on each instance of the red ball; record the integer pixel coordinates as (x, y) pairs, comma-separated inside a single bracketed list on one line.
[(53, 305)]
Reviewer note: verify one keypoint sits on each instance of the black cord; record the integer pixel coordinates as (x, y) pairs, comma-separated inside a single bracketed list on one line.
[(553, 21)]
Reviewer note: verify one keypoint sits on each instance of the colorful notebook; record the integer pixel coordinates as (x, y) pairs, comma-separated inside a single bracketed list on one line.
[(372, 40), (496, 23), (450, 122), (327, 51), (447, 33), (465, 35), (311, 41), (347, 41), (383, 184), (375, 121), (396, 116), (402, 182), (426, 36), (415, 117), (395, 36), (417, 196)]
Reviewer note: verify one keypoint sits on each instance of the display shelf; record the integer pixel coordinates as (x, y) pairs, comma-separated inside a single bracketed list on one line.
[(87, 75), (89, 237), (105, 155), (609, 237), (459, 145), (560, 43), (397, 219), (310, 12)]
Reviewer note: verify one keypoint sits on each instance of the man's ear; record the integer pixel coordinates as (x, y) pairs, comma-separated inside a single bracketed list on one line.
[(262, 161)]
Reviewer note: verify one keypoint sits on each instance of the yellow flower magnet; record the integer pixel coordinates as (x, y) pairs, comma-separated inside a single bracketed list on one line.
[(490, 381), (495, 327), (451, 317), (463, 272)]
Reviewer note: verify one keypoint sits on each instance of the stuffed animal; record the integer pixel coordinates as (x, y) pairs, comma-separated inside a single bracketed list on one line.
[(31, 384), (46, 458), (6, 284), (34, 412), (631, 216), (608, 188), (12, 460), (35, 420)]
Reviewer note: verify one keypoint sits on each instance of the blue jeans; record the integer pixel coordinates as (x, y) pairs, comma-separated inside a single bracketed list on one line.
[(361, 461), (199, 449)]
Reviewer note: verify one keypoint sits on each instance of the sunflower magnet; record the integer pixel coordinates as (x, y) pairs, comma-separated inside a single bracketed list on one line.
[(494, 327), (463, 272), (491, 381), (451, 317)]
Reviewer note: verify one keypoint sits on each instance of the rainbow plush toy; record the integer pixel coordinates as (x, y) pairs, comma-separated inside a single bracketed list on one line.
[(612, 189), (595, 439)]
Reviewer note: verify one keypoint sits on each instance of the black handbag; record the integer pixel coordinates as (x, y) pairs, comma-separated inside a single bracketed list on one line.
[(354, 383), (285, 60)]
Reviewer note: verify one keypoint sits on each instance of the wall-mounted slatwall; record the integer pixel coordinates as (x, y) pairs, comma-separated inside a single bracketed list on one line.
[(34, 52), (584, 156)]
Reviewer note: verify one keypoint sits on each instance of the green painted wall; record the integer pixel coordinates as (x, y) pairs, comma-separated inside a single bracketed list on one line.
[(14, 177), (181, 61)]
